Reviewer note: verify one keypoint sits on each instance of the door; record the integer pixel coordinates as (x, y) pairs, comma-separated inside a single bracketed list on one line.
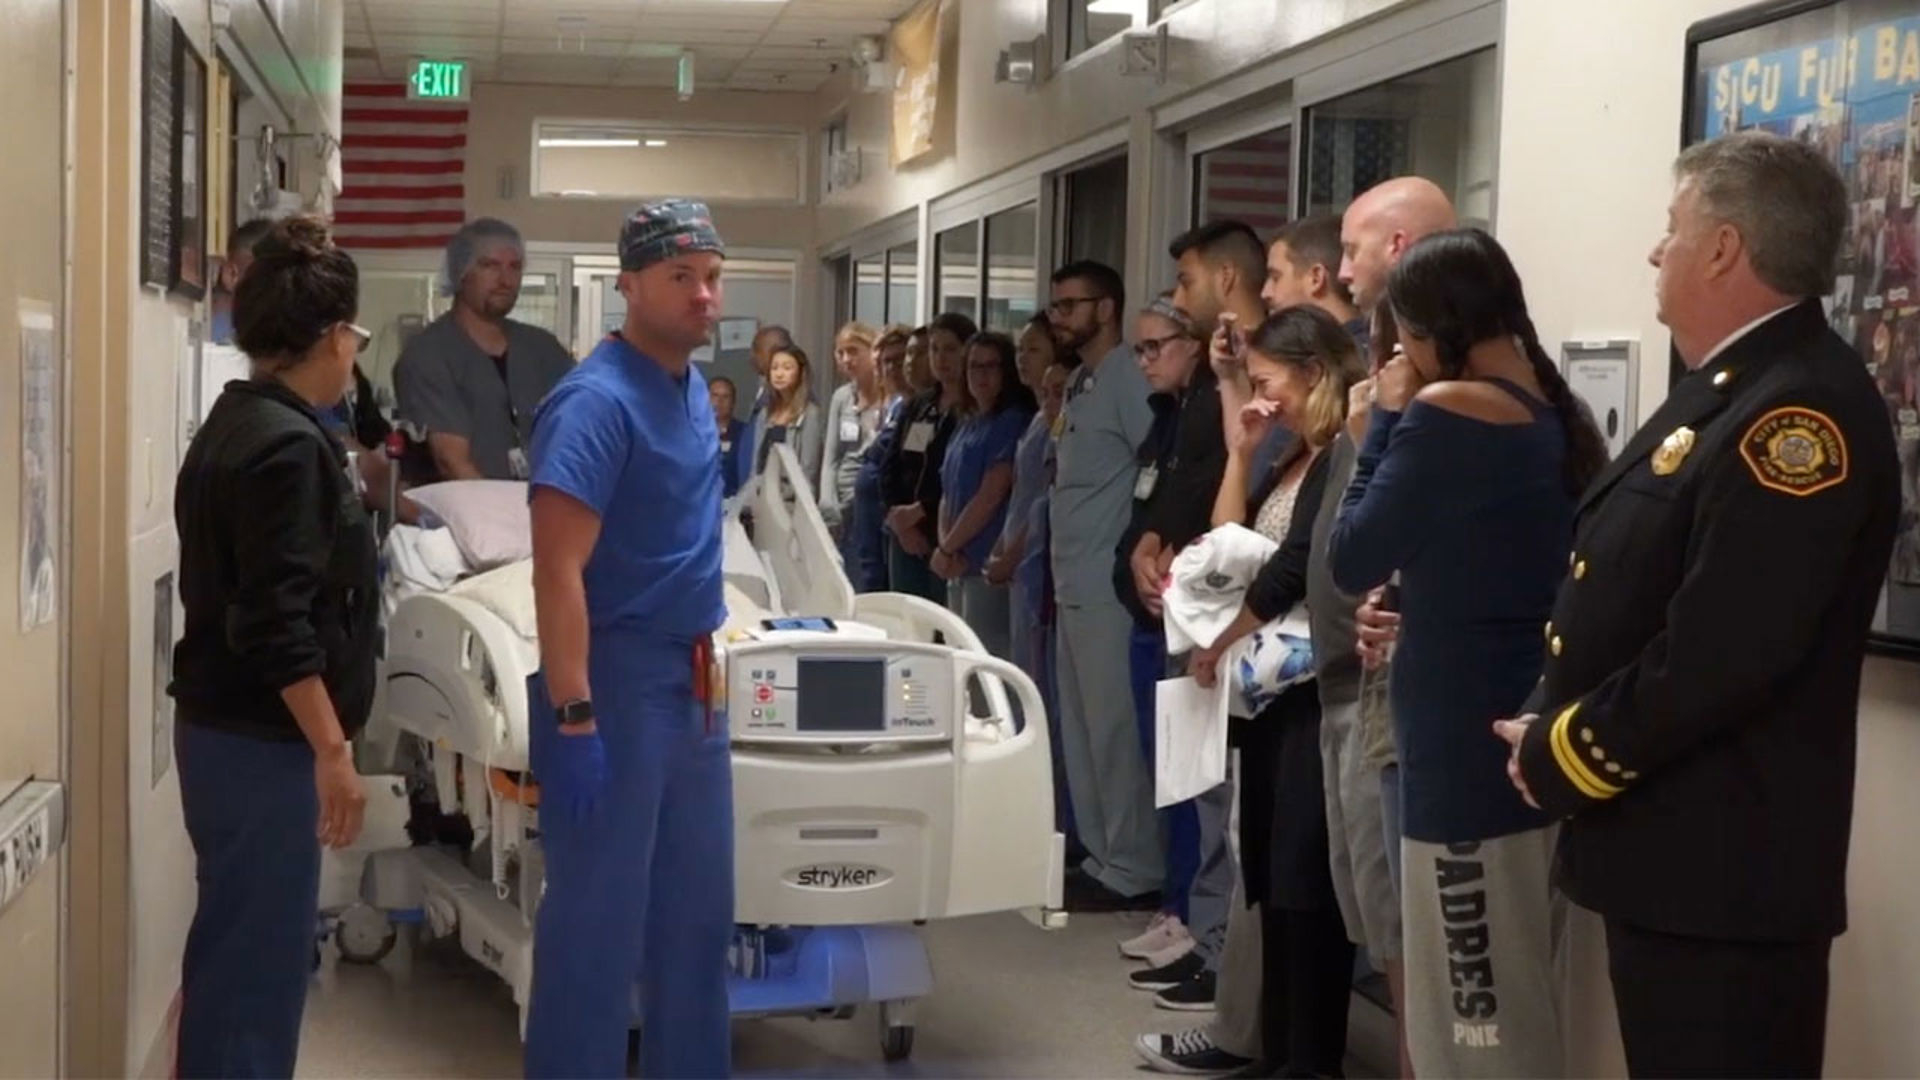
[(32, 535)]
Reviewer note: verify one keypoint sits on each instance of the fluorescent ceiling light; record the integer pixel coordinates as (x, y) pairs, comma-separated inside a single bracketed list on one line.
[(590, 143), (656, 142), (1130, 8)]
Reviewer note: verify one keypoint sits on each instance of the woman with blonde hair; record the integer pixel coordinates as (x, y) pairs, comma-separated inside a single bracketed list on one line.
[(1300, 364), (791, 416), (854, 415)]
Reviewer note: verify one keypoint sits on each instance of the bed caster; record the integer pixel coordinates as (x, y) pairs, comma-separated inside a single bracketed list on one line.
[(364, 935), (896, 1032)]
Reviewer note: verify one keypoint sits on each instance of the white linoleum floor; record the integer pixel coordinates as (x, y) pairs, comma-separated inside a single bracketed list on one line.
[(1009, 1000)]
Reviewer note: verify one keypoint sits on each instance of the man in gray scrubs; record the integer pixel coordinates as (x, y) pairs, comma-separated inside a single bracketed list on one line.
[(1106, 418), (473, 377)]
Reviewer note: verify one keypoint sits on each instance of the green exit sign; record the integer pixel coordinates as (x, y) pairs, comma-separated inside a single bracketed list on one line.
[(438, 80)]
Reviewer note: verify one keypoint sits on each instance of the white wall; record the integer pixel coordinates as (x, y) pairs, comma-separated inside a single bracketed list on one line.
[(1589, 127)]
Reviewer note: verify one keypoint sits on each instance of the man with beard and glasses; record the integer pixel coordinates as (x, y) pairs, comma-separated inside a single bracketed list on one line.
[(472, 379)]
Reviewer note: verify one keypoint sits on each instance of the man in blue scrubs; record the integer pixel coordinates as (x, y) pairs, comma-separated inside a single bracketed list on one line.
[(636, 806)]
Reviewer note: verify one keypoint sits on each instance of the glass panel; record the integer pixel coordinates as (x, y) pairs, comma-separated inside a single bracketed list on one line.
[(614, 159), (1090, 22), (1246, 181), (1096, 212), (842, 271), (957, 268), (540, 304), (1012, 261), (395, 305), (870, 289), (1439, 123), (903, 281)]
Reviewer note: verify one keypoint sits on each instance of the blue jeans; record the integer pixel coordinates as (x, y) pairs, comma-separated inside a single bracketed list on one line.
[(253, 814), (1179, 823), (665, 816), (863, 541)]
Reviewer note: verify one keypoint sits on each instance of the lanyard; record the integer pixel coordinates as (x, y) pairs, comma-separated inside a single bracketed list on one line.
[(513, 414)]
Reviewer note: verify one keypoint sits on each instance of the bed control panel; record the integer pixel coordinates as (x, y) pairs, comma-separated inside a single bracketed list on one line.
[(827, 687)]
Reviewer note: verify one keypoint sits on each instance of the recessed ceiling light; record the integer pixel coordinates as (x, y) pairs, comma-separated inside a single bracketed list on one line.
[(584, 144)]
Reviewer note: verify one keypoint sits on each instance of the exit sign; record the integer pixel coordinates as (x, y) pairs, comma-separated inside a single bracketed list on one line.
[(438, 80)]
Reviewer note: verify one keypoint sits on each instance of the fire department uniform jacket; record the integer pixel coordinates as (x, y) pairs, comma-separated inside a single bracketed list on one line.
[(1698, 708)]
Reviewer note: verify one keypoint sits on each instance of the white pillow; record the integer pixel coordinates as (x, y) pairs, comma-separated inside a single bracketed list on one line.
[(488, 518)]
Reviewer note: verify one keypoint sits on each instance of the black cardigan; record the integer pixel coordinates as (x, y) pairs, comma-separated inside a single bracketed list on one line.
[(1282, 582)]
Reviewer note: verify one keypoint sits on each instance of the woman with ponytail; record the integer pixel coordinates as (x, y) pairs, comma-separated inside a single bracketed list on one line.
[(1473, 455)]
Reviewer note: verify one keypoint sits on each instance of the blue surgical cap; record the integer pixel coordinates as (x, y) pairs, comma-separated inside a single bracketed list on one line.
[(467, 244)]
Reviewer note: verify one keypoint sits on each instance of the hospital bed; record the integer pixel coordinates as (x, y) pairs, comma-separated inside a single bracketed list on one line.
[(887, 771)]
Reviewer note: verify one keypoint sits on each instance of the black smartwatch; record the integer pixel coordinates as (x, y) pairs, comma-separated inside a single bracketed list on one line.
[(575, 714)]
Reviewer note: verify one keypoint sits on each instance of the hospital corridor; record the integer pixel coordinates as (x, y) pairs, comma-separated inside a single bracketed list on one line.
[(959, 538)]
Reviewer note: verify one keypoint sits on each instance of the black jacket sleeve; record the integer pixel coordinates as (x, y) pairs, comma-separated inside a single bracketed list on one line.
[(1184, 507), (899, 474), (280, 557), (1283, 580)]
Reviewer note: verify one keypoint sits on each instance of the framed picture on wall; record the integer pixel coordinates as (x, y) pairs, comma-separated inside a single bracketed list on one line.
[(1843, 75), (157, 89), (188, 261)]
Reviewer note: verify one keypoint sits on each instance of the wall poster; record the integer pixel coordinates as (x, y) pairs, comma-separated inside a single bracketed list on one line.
[(156, 145), (1844, 75), (162, 754), (39, 464), (187, 275)]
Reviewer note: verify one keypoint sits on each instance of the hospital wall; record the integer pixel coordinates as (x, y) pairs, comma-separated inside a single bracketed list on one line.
[(131, 890), (1589, 127)]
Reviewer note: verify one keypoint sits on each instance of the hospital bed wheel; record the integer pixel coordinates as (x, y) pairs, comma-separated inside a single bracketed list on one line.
[(896, 1039), (364, 935)]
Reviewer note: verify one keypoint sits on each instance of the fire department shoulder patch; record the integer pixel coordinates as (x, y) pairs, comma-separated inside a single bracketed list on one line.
[(1795, 451)]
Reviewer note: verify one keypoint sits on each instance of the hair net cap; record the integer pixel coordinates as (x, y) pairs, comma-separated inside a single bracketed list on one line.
[(465, 247), (1164, 307), (665, 228)]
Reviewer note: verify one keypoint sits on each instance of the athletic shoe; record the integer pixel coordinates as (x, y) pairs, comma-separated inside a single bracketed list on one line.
[(1168, 977), (1166, 929), (1194, 994), (1172, 952), (1188, 1053)]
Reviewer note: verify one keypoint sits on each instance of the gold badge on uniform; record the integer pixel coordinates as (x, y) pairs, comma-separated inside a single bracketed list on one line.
[(1672, 451), (1795, 451)]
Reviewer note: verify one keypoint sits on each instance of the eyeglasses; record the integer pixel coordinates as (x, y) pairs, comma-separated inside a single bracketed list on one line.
[(1066, 304), (1149, 348), (365, 335)]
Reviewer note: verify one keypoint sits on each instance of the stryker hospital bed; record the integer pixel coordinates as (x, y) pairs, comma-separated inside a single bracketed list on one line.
[(886, 770)]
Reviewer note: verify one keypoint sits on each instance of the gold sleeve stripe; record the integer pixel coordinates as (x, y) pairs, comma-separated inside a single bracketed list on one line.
[(1582, 778)]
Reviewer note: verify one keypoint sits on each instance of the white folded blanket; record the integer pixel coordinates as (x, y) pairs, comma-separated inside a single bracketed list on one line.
[(1209, 585)]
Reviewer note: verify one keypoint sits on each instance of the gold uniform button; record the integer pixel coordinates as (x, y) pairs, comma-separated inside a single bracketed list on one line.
[(1721, 379), (1580, 570), (1555, 645)]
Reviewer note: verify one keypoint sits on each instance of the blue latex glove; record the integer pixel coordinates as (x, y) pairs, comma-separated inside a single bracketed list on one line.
[(573, 771)]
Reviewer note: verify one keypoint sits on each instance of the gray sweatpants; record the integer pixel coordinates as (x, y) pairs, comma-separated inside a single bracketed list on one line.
[(1217, 878), (1356, 836), (1099, 736), (987, 611), (1484, 939), (1236, 992)]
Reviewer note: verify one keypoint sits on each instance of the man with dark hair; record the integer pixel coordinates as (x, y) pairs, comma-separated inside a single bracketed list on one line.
[(1222, 265), (239, 257), (1696, 725), (1105, 420), (1303, 267), (473, 378)]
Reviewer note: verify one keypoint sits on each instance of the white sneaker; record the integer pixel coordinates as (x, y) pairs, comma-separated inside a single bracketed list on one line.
[(1165, 929), (1175, 949)]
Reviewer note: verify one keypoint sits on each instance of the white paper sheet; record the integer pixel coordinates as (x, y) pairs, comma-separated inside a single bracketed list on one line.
[(1190, 732)]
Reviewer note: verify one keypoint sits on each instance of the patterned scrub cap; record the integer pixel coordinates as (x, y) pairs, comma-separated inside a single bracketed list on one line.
[(665, 228)]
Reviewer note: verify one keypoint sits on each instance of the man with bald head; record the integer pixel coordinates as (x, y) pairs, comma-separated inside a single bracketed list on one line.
[(1381, 225)]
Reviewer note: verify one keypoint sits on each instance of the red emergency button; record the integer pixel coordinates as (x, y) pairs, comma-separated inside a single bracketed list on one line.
[(763, 694)]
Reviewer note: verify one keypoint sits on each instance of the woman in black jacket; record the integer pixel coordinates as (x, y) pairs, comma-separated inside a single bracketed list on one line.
[(275, 672), (910, 476), (1300, 364)]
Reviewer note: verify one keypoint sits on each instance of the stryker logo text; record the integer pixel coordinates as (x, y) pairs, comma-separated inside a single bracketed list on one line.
[(841, 876)]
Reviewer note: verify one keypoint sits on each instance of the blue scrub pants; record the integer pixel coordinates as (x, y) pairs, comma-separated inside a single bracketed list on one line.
[(253, 816), (864, 544), (665, 816), (911, 574), (1179, 823)]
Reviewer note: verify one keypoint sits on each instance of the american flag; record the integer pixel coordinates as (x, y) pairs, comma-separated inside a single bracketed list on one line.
[(1247, 181), (404, 166)]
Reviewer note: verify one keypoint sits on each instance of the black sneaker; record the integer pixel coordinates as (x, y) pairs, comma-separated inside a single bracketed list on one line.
[(1170, 976), (1194, 994), (1188, 1053)]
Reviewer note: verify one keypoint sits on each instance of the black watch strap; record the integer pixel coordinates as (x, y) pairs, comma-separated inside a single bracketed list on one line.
[(575, 713)]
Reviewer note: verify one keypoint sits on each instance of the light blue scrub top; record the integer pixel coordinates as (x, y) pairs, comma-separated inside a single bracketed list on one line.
[(978, 444), (640, 449)]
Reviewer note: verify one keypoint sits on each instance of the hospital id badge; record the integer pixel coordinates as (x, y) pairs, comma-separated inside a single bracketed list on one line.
[(1148, 480), (919, 437), (850, 431), (517, 464)]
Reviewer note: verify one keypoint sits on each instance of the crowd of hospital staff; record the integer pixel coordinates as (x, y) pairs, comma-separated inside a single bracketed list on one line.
[(1365, 391)]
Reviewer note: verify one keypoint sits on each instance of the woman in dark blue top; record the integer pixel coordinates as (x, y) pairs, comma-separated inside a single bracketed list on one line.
[(1471, 461), (976, 477)]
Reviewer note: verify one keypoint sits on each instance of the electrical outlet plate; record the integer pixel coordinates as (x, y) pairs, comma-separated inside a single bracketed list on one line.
[(32, 828)]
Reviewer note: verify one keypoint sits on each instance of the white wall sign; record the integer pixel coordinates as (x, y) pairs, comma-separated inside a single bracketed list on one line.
[(39, 465)]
